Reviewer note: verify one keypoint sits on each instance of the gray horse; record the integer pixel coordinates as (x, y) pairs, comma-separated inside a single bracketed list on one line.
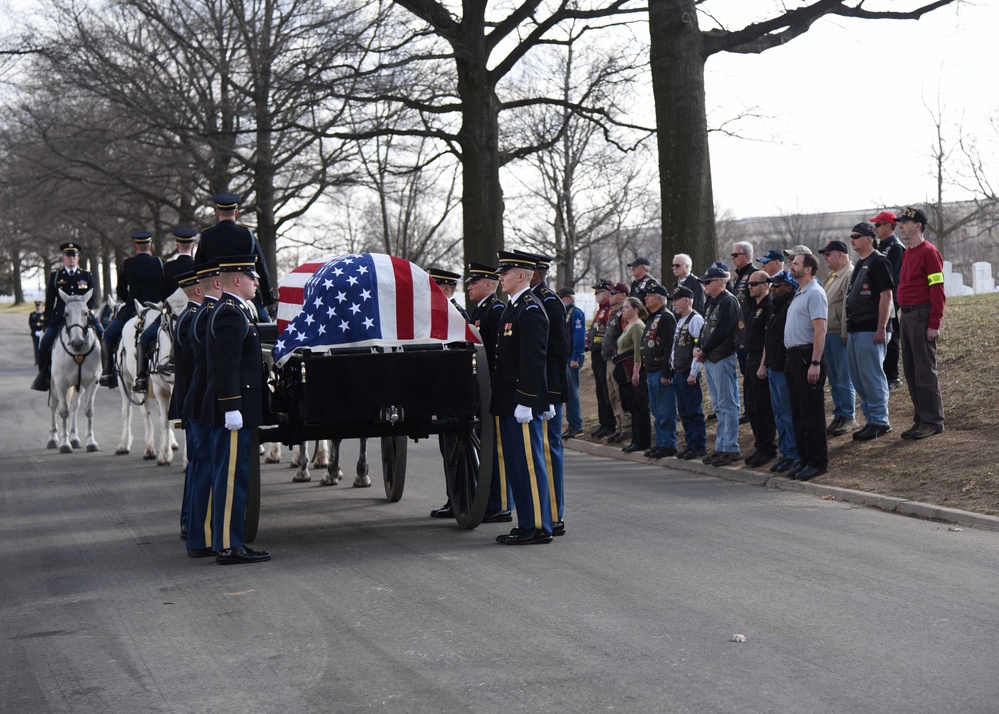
[(76, 365)]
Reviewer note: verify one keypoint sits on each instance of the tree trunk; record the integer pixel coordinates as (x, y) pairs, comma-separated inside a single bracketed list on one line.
[(16, 269), (677, 54), (482, 195)]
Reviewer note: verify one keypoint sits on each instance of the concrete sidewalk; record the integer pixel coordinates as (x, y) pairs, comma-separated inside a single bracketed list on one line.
[(891, 504)]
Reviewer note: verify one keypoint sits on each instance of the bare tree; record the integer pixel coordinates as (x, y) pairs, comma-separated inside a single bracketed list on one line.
[(679, 50)]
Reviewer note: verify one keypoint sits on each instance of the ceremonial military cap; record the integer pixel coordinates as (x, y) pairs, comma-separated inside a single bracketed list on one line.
[(660, 290), (508, 260), (541, 261), (682, 291), (225, 201), (444, 277), (70, 248), (639, 261), (772, 254), (208, 269), (186, 280), (142, 237), (477, 271), (239, 264), (913, 214), (38, 303), (184, 235)]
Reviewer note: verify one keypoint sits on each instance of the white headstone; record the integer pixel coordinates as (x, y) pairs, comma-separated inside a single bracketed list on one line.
[(981, 278), (953, 282)]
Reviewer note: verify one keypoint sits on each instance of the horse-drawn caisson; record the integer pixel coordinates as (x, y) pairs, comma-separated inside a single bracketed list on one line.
[(367, 346)]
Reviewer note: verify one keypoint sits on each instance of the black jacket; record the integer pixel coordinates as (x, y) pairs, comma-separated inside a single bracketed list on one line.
[(757, 318), (486, 318), (720, 326), (520, 366), (228, 238), (77, 284), (183, 354), (197, 335), (235, 375), (171, 269), (140, 278), (559, 345)]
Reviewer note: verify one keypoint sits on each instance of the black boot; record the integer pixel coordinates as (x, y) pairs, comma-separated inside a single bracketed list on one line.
[(141, 383), (41, 383), (108, 377)]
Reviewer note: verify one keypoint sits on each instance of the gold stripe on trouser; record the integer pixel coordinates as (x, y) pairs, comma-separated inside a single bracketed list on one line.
[(551, 471), (208, 522), (230, 483), (529, 453), (504, 506)]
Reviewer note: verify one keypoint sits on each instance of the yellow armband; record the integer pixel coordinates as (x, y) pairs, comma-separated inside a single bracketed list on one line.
[(935, 279)]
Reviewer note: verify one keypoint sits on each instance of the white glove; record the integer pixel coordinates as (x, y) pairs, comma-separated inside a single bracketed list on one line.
[(550, 414), (38, 333), (233, 420), (523, 414)]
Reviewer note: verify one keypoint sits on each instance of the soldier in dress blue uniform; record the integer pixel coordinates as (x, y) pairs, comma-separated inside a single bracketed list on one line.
[(233, 407), (447, 282), (557, 353), (199, 450), (72, 281), (184, 356), (520, 399), (228, 238), (36, 323), (140, 278), (172, 269)]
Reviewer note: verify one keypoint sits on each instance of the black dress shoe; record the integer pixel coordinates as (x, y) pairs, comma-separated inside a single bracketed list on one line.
[(691, 454), (108, 380), (183, 532), (41, 383), (530, 536), (777, 464), (558, 528), (141, 384), (242, 554), (572, 433), (200, 553), (513, 532), (925, 431), (444, 511), (799, 465), (809, 472), (497, 517), (616, 438), (661, 452), (632, 447), (600, 433)]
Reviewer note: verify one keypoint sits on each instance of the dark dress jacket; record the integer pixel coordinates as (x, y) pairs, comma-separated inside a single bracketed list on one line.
[(486, 318), (228, 238), (140, 278), (197, 335), (77, 284), (171, 269), (520, 365), (183, 354), (559, 345), (235, 375)]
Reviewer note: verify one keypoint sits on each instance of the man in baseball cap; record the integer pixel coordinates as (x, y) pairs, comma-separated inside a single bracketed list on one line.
[(891, 247), (773, 261)]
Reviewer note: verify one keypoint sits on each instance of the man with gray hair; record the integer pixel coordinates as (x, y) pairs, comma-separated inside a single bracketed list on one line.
[(684, 278)]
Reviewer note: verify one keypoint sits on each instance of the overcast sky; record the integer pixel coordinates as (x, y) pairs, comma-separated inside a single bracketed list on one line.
[(847, 105)]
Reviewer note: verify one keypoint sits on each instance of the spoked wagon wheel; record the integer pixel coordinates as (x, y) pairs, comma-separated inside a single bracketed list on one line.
[(394, 466), (468, 457)]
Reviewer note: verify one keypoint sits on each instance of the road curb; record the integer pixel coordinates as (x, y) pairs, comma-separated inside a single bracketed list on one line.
[(891, 504)]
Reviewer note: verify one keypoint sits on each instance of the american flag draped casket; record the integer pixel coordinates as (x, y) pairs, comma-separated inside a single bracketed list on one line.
[(362, 300), (365, 335)]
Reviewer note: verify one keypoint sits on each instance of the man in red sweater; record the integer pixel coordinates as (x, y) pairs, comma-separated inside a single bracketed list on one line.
[(921, 300)]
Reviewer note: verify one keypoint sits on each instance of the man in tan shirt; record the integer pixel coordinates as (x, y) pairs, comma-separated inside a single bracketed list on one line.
[(836, 285)]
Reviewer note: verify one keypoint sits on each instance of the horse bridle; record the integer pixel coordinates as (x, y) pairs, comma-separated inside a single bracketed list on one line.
[(78, 357)]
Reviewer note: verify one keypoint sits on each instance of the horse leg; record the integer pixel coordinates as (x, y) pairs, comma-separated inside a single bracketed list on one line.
[(74, 409), (302, 475), (167, 440), (125, 443), (63, 407), (149, 450), (333, 472), (322, 457), (273, 454), (362, 480), (53, 432), (90, 396)]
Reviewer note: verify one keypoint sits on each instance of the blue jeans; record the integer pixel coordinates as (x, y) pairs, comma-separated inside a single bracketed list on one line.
[(723, 385), (662, 404), (867, 367), (838, 369), (688, 405), (780, 402), (573, 415)]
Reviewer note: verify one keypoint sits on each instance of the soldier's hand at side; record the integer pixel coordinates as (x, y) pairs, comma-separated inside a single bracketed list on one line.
[(550, 414), (523, 414), (233, 420), (38, 333)]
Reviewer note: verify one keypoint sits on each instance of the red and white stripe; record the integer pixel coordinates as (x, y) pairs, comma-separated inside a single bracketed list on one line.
[(291, 290)]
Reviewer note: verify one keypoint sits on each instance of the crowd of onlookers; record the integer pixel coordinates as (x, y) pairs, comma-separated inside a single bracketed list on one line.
[(770, 321)]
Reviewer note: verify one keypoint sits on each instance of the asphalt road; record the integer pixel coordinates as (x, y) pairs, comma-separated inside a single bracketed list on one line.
[(369, 605)]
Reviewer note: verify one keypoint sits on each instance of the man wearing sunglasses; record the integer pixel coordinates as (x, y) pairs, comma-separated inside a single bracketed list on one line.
[(756, 389), (891, 247), (684, 278)]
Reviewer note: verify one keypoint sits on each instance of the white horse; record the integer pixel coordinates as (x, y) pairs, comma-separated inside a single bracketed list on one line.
[(300, 461), (126, 357), (161, 378), (76, 366)]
